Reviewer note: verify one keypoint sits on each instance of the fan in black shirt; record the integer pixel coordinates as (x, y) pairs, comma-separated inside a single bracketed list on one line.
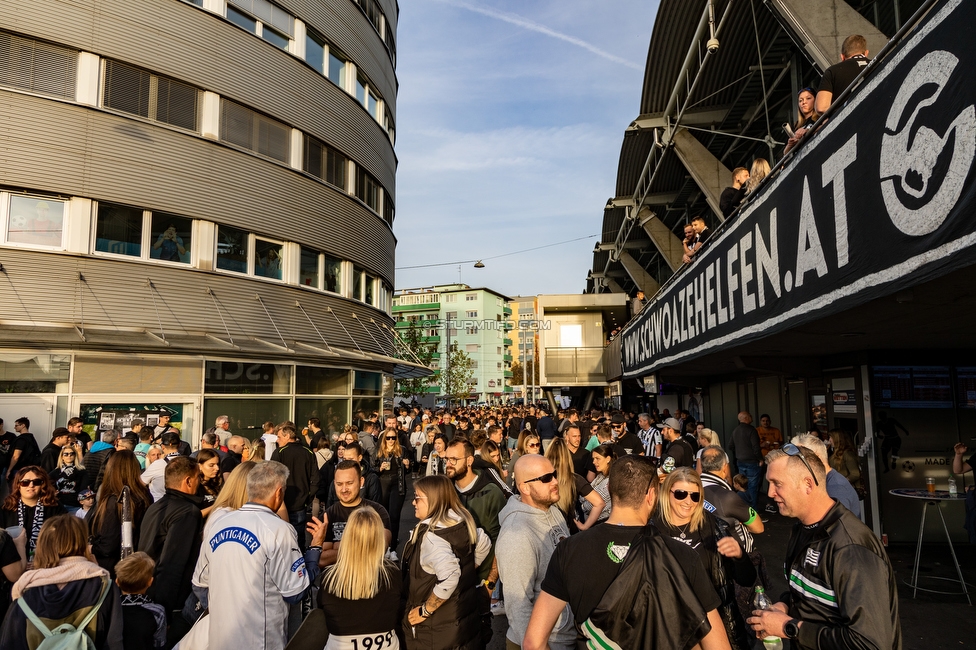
[(584, 566), (836, 78)]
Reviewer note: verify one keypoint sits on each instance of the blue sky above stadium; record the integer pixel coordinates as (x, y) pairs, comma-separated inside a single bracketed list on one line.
[(510, 117)]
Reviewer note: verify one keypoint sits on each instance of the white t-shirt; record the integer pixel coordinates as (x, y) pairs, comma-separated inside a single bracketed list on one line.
[(155, 478), (270, 444), (250, 562)]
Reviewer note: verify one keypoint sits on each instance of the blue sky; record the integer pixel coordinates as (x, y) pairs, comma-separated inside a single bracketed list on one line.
[(510, 117)]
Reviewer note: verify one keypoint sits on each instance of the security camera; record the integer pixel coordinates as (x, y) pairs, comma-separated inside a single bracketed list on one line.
[(712, 45)]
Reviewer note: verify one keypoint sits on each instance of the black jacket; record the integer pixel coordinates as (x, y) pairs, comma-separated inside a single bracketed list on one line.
[(94, 464), (49, 457), (842, 586), (303, 474), (171, 533)]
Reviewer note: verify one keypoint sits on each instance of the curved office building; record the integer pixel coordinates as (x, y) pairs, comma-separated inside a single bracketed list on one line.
[(196, 208)]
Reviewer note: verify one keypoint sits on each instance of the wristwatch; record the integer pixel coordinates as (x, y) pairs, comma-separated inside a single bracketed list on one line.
[(791, 628)]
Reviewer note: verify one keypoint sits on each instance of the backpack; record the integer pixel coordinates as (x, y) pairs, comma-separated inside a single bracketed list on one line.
[(66, 636)]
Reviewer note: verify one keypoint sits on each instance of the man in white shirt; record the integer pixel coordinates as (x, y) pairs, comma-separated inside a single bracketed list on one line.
[(251, 565), (155, 474)]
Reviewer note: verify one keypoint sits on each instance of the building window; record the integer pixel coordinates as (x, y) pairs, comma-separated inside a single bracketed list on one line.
[(388, 211), (337, 69), (315, 49), (35, 220), (171, 238), (326, 163), (132, 90), (473, 313), (451, 297), (470, 297), (118, 230), (499, 364), (308, 271), (369, 295), (249, 129), (333, 274), (232, 249), (267, 258), (367, 189), (37, 67), (474, 364), (470, 330), (499, 350), (451, 315), (390, 42), (358, 282), (276, 25)]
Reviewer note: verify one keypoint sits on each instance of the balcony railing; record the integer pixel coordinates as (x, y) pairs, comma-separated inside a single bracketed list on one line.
[(574, 366)]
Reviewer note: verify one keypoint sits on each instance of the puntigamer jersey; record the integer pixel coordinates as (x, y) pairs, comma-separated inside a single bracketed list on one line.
[(250, 562)]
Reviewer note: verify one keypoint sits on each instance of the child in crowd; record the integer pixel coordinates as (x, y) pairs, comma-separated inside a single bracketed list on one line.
[(143, 621), (86, 499), (741, 484)]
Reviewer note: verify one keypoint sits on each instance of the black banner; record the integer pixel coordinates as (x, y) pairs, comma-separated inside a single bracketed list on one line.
[(881, 198)]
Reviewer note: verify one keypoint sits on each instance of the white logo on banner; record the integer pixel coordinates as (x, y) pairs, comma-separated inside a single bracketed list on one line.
[(909, 155)]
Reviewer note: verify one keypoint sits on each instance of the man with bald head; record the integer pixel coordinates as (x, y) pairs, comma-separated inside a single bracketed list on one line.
[(842, 586), (531, 526), (234, 456), (744, 447)]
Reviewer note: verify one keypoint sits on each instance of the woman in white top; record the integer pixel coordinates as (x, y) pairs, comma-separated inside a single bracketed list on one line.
[(706, 438), (440, 570)]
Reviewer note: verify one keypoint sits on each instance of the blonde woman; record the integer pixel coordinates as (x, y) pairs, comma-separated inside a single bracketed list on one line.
[(759, 171), (154, 453), (681, 515), (706, 438), (571, 487), (392, 465), (439, 562), (360, 593), (70, 478), (528, 443)]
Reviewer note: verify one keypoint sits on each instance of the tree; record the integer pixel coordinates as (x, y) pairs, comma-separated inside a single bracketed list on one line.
[(415, 341), (456, 379), (517, 372)]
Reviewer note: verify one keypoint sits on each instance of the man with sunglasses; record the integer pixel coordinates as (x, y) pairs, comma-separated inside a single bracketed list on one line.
[(630, 442), (842, 586), (531, 526), (583, 567)]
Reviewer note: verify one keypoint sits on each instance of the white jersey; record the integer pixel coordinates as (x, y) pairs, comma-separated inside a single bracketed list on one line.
[(270, 444), (250, 562)]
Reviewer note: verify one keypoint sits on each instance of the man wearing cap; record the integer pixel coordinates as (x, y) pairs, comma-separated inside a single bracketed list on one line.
[(630, 443), (677, 453)]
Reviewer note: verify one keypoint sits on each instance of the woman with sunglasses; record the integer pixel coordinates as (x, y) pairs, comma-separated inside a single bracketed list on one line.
[(573, 487), (529, 442), (681, 515), (69, 478), (439, 566), (31, 501), (392, 465), (105, 520)]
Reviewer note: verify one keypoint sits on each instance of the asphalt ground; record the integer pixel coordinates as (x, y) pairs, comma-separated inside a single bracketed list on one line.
[(928, 621)]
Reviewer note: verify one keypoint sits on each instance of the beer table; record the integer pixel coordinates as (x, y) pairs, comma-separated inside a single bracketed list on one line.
[(932, 499)]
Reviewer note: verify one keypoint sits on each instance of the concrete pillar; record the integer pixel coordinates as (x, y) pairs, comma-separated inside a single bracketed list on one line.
[(612, 285), (822, 27), (706, 170), (641, 278), (667, 242)]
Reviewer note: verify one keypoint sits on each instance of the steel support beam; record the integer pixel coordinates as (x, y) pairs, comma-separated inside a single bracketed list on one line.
[(708, 172), (822, 27), (666, 242), (641, 278)]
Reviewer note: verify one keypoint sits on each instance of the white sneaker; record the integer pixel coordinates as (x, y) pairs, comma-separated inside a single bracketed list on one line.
[(498, 609)]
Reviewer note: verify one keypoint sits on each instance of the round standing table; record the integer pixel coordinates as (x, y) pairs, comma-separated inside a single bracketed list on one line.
[(932, 499)]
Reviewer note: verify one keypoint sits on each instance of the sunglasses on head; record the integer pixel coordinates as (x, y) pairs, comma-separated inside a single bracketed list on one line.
[(793, 450), (681, 495), (36, 482), (545, 478)]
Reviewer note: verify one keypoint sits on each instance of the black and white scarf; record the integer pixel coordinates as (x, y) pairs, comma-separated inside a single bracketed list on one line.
[(35, 528)]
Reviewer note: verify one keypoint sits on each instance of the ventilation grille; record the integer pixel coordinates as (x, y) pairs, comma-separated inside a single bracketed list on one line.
[(241, 126), (37, 67)]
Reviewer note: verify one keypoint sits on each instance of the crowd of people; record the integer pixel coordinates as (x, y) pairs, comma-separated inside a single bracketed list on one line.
[(599, 527)]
